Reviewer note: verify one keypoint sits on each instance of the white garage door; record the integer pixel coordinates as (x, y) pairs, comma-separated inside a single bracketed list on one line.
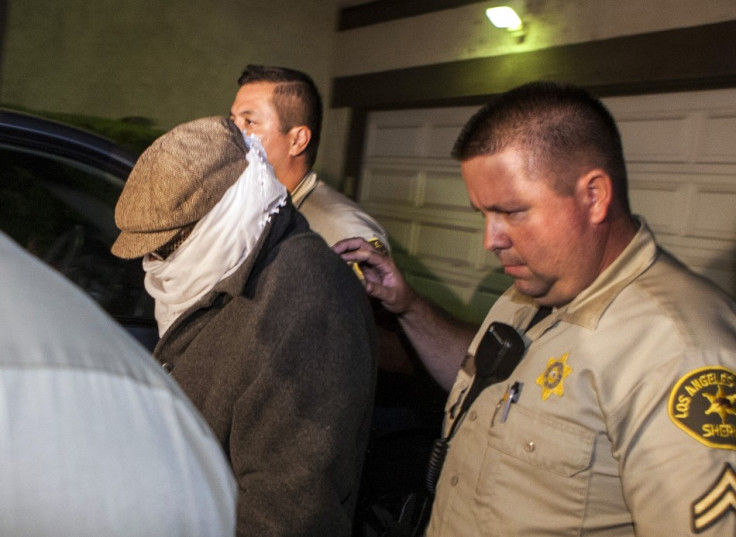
[(681, 155)]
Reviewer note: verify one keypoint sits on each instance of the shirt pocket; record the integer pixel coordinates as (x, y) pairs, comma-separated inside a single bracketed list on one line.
[(535, 475)]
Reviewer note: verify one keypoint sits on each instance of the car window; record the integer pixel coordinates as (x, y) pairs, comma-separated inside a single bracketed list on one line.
[(63, 213)]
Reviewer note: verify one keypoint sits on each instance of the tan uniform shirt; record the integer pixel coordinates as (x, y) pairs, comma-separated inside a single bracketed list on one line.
[(333, 216), (626, 420)]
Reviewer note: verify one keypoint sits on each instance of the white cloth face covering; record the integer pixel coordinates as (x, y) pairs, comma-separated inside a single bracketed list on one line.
[(219, 243)]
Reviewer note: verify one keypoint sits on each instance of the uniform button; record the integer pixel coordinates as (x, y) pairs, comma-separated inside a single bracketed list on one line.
[(168, 367), (473, 415), (529, 447), (455, 480)]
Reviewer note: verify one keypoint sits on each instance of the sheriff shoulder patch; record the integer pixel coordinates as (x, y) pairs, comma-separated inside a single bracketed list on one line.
[(703, 404)]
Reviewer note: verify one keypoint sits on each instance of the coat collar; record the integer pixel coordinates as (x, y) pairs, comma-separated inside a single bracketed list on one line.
[(281, 225)]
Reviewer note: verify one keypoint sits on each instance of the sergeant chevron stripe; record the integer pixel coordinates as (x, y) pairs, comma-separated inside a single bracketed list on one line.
[(717, 502)]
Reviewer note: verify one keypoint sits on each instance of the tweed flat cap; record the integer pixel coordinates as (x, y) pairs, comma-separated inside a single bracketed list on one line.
[(177, 181)]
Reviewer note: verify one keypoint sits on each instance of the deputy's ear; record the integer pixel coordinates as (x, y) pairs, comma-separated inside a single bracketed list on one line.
[(596, 190), (299, 138)]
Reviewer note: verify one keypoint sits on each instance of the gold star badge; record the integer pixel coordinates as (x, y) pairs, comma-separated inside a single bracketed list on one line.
[(551, 379), (721, 404)]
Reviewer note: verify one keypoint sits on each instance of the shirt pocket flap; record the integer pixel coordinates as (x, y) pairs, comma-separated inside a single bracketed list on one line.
[(544, 441)]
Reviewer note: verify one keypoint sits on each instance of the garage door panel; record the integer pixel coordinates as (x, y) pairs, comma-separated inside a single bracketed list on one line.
[(719, 140), (714, 212), (400, 231), (441, 140), (445, 190), (663, 202), (389, 185), (465, 298), (395, 141), (452, 245), (656, 139)]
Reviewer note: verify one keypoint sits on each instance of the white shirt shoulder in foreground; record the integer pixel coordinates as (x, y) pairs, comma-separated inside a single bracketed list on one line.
[(96, 439)]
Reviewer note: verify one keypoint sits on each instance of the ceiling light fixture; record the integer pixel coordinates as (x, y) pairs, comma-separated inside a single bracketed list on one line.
[(504, 17)]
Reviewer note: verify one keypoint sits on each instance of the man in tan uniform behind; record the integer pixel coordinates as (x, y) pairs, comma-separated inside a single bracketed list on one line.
[(283, 108)]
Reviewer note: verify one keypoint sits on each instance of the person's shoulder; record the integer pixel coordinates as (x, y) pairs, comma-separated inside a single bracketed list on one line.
[(669, 279), (310, 261), (694, 305), (326, 197), (309, 249), (334, 216)]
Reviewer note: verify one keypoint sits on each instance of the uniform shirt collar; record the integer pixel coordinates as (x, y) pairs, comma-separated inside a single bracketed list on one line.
[(303, 189)]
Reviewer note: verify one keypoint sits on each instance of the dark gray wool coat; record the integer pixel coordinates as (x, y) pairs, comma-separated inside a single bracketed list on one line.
[(280, 358)]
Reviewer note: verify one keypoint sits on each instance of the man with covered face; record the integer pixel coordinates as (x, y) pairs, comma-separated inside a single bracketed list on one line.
[(266, 329)]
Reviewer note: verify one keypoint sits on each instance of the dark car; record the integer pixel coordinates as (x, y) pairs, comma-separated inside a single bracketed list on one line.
[(58, 189)]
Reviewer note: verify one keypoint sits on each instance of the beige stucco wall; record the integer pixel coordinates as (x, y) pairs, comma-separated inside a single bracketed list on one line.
[(465, 32), (166, 60), (172, 61)]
